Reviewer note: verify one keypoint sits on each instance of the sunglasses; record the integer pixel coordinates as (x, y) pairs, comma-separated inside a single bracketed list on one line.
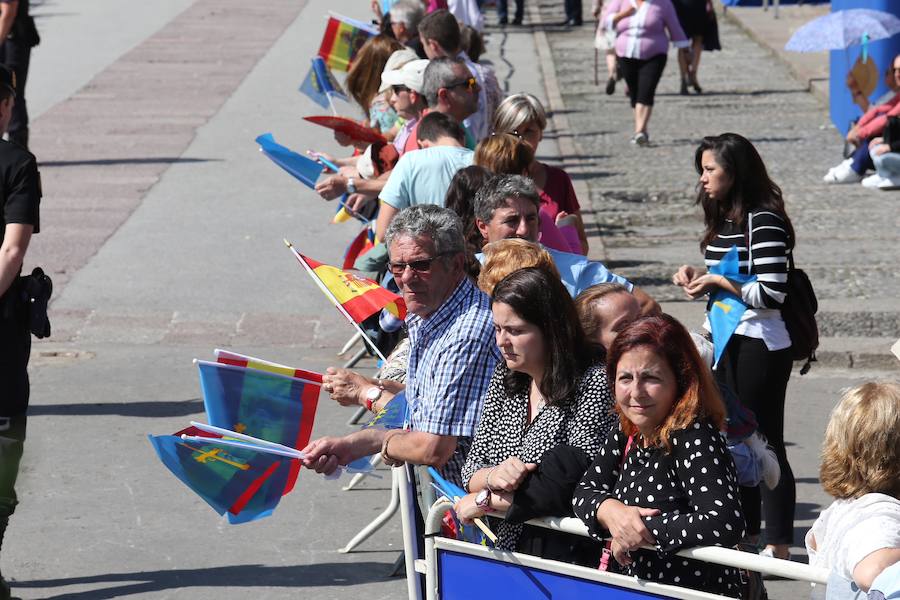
[(419, 266), (399, 88), (471, 83)]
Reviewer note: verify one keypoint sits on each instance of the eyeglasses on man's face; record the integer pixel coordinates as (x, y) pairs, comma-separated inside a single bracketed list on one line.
[(470, 82), (423, 265)]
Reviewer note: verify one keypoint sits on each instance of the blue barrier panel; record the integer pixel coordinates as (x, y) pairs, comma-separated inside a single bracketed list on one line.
[(463, 577), (842, 108)]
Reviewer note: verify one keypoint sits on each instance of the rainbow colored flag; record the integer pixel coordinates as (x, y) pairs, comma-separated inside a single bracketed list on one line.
[(342, 41), (239, 360), (357, 298), (245, 484)]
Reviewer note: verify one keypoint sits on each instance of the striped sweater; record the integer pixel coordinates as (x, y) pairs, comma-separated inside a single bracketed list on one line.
[(764, 297)]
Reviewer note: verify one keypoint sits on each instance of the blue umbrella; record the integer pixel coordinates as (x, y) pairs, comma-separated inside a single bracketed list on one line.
[(842, 29)]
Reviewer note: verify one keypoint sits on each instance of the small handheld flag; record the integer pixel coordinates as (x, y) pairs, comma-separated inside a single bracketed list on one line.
[(321, 86), (726, 309), (362, 243), (453, 493), (342, 41), (304, 169)]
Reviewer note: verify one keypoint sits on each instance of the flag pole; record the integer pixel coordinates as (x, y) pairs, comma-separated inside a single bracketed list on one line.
[(334, 300), (331, 102)]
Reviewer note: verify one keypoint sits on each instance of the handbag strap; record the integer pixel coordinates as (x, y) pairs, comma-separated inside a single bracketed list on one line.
[(607, 552)]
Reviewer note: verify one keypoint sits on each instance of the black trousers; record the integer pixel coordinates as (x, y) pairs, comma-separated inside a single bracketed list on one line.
[(760, 377), (17, 56), (12, 443), (573, 10), (503, 10), (642, 76)]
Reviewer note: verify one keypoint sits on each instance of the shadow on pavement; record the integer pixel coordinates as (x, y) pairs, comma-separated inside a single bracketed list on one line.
[(174, 408), (142, 582), (167, 160)]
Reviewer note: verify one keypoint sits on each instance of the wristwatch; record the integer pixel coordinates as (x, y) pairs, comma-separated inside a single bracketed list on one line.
[(373, 394), (351, 186), (483, 500)]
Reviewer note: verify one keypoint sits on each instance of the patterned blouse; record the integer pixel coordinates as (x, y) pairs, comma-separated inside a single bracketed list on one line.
[(695, 488), (504, 430)]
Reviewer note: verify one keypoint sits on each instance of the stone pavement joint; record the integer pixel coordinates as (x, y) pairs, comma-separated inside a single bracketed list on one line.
[(644, 198)]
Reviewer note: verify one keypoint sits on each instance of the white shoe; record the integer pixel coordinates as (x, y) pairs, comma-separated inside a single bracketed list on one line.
[(873, 181), (843, 173)]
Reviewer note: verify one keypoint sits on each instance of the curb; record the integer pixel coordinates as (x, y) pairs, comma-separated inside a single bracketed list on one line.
[(565, 139), (814, 86)]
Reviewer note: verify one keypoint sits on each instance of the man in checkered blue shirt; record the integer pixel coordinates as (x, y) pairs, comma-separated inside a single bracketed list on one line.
[(452, 351)]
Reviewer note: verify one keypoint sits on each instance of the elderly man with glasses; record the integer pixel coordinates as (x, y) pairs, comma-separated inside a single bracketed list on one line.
[(452, 351)]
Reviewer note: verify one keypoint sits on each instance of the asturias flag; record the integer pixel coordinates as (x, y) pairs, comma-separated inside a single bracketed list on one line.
[(342, 40), (725, 309), (306, 170), (357, 297)]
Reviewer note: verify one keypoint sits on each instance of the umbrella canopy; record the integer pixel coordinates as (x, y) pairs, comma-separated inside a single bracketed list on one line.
[(843, 28)]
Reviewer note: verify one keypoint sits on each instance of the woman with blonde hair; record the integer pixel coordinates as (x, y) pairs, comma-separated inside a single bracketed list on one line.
[(524, 116), (858, 536), (505, 256), (663, 477)]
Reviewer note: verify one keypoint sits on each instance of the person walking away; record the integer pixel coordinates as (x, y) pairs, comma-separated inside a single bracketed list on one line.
[(698, 20), (19, 36), (19, 219), (643, 30)]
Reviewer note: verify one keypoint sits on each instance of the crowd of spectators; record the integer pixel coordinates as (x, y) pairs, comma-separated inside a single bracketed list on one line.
[(546, 385)]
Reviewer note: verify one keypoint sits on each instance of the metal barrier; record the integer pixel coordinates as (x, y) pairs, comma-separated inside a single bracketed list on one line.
[(540, 573)]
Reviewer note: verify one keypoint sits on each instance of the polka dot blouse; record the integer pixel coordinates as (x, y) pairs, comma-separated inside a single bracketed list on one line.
[(695, 488), (504, 430)]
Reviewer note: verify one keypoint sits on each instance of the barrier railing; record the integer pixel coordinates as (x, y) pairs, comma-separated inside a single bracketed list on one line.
[(473, 558)]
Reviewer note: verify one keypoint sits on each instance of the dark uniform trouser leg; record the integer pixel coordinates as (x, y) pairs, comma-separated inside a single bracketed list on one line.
[(17, 57)]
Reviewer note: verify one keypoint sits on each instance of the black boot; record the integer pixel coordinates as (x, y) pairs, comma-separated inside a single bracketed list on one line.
[(5, 593)]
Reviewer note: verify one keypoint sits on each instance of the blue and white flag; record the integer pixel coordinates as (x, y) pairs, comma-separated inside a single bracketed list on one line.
[(320, 84), (725, 308)]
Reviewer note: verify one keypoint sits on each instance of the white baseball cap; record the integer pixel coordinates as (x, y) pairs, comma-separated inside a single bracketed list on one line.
[(410, 75), (394, 62)]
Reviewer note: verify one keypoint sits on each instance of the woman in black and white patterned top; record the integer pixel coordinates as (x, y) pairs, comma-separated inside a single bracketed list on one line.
[(545, 393), (676, 486), (743, 207)]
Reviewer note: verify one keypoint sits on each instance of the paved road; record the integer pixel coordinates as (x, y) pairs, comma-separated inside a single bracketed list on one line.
[(163, 226)]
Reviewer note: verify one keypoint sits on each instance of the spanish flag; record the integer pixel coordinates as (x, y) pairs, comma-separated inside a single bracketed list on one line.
[(342, 40), (357, 298), (240, 360)]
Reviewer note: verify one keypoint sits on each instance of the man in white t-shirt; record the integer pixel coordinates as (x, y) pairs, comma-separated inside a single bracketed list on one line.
[(422, 177)]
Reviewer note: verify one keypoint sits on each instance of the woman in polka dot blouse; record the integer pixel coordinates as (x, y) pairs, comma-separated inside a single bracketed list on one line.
[(676, 487), (545, 393)]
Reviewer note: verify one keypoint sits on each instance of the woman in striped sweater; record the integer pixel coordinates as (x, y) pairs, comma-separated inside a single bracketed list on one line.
[(742, 207)]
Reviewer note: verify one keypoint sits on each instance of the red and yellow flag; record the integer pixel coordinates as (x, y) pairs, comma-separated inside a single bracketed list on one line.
[(357, 297), (342, 40)]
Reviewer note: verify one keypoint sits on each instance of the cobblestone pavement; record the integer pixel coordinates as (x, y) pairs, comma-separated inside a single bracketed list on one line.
[(643, 198)]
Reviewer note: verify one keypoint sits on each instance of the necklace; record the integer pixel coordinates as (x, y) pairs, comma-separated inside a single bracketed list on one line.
[(542, 402)]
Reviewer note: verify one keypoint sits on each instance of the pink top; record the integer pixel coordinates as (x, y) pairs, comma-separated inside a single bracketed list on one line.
[(558, 194), (643, 34), (434, 5), (872, 123), (553, 237)]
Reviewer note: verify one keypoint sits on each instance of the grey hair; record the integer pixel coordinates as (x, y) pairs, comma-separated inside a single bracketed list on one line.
[(442, 225), (408, 12), (518, 110), (438, 74), (497, 190)]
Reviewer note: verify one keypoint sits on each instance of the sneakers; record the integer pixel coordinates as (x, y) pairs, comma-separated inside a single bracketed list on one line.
[(640, 139), (843, 173), (877, 182)]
